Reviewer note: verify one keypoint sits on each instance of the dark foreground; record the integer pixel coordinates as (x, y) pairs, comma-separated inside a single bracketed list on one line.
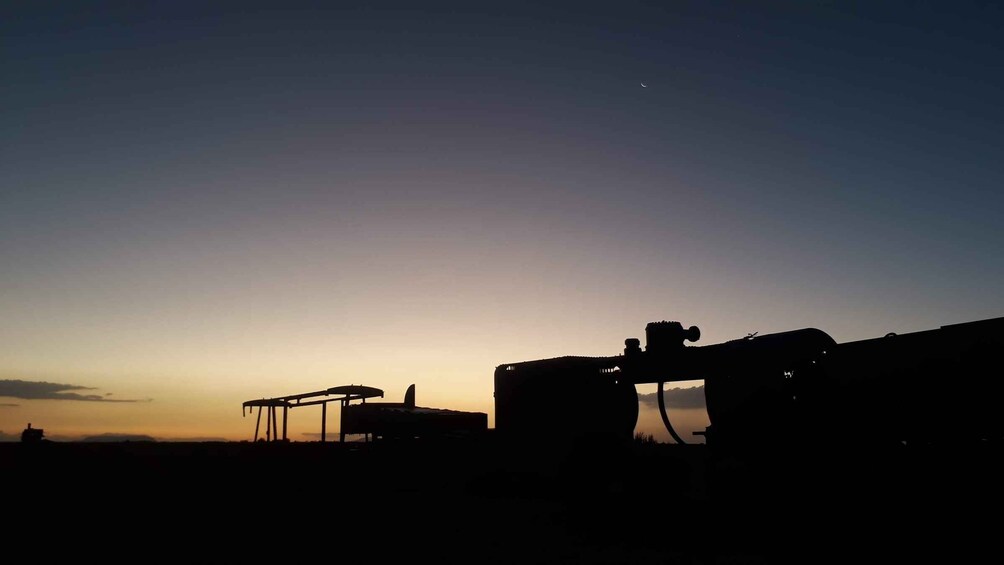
[(489, 502)]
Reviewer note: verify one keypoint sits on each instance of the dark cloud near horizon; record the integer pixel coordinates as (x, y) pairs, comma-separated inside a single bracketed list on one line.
[(680, 398), (42, 390), (8, 405)]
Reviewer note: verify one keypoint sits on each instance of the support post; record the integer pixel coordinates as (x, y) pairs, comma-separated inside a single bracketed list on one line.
[(341, 427), (285, 417), (324, 420), (257, 424)]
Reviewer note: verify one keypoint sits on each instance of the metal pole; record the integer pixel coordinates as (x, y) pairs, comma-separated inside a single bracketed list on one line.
[(324, 420), (285, 413), (275, 424), (665, 417), (268, 424), (257, 424), (341, 425)]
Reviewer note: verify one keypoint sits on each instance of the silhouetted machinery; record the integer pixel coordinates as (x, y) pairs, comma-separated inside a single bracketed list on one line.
[(941, 385)]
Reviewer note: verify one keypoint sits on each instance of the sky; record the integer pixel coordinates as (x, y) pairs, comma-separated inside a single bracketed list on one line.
[(206, 203)]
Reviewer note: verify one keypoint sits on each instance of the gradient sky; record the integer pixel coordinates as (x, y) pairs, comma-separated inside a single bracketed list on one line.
[(200, 205)]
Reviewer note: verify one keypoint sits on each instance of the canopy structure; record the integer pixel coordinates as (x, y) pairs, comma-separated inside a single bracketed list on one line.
[(391, 420), (344, 394)]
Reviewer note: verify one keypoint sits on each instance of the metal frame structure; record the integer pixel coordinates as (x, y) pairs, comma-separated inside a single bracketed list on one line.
[(344, 394)]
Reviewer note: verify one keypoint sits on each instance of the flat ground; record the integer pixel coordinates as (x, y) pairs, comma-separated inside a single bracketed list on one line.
[(486, 501)]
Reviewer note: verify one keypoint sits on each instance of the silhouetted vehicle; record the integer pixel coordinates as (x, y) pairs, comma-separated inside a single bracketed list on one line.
[(32, 435), (791, 387), (405, 420)]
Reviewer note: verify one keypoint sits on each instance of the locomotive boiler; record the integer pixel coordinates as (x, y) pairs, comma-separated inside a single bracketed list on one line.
[(801, 386)]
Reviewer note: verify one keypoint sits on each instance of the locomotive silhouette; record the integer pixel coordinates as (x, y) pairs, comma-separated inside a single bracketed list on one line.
[(797, 387)]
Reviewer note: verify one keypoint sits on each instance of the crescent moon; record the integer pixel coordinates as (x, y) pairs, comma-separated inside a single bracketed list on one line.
[(643, 85)]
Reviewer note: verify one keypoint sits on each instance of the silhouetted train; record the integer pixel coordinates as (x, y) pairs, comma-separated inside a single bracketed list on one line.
[(941, 385)]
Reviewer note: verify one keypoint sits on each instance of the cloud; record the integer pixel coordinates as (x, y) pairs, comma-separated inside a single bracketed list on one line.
[(9, 437), (680, 398), (8, 405), (41, 390)]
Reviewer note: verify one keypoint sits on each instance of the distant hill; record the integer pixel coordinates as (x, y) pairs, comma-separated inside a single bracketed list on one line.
[(111, 438), (193, 439)]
